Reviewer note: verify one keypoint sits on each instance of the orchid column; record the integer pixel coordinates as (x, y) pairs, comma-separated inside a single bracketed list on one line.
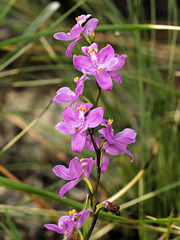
[(81, 121)]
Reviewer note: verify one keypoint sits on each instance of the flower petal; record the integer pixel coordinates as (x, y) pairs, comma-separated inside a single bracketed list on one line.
[(87, 106), (114, 149), (85, 49), (127, 132), (105, 54), (73, 172), (107, 133), (75, 167), (64, 94), (76, 31), (108, 65), (70, 47), (89, 144), (68, 229), (116, 76), (121, 61), (104, 163), (117, 149), (129, 153), (90, 26), (88, 168), (95, 117), (63, 36), (82, 218), (53, 227), (81, 19), (68, 186), (79, 89), (70, 116), (65, 128), (104, 80), (78, 141), (84, 65)]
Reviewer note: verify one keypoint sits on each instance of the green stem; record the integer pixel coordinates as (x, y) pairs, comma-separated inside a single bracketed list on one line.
[(85, 98), (86, 38), (94, 202), (101, 157), (92, 225), (88, 183), (79, 233), (97, 95), (99, 206), (101, 144), (94, 196), (91, 132)]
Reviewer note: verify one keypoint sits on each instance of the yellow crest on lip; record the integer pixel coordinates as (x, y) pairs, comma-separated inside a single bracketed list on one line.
[(76, 79), (82, 20), (81, 108), (77, 18), (72, 212), (92, 50), (110, 121)]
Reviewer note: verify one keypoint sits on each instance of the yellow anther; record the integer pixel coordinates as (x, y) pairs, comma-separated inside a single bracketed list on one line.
[(81, 108), (110, 121), (72, 212), (81, 159), (76, 79), (100, 68)]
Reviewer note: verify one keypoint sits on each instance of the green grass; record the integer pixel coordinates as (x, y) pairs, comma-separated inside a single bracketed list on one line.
[(34, 66)]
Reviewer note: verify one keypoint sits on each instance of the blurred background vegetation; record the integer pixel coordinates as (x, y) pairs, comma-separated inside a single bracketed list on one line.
[(34, 66)]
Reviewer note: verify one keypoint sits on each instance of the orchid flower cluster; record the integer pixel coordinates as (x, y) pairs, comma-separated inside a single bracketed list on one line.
[(80, 121)]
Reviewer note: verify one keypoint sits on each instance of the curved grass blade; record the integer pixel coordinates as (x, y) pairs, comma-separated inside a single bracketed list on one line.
[(121, 27), (37, 191), (14, 232), (7, 183), (7, 8)]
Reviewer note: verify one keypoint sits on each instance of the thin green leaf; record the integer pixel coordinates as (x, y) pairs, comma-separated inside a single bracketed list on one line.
[(5, 182), (14, 232), (169, 226), (87, 222), (6, 9), (122, 27), (43, 16)]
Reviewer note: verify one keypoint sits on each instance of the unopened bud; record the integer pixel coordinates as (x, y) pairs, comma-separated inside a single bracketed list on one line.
[(112, 207)]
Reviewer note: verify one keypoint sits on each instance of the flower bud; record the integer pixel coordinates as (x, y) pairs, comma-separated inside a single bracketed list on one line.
[(112, 207)]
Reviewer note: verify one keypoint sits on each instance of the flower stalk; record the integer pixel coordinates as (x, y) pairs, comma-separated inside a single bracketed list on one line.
[(79, 233), (88, 183)]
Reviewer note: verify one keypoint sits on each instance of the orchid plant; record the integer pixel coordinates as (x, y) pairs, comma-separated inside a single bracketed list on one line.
[(82, 120)]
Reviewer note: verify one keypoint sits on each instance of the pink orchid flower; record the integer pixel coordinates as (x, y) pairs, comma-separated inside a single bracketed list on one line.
[(75, 33), (67, 223), (75, 122), (103, 65)]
